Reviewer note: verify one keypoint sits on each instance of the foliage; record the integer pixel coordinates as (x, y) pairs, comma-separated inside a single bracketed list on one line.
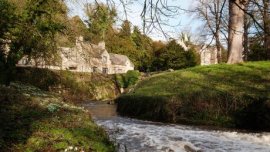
[(125, 29), (101, 19), (6, 18), (144, 46), (42, 20), (223, 95), (128, 79), (28, 125), (173, 56), (75, 27), (257, 52)]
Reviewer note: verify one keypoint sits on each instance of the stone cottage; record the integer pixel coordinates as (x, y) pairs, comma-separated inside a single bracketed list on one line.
[(87, 57)]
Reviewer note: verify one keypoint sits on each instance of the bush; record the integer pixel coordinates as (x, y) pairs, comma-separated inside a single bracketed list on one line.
[(173, 56), (128, 79), (157, 108), (254, 116)]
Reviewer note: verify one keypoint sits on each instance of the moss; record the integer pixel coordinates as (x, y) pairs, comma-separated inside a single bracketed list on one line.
[(216, 95)]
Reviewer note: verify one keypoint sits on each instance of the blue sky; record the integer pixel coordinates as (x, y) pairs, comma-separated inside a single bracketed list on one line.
[(185, 22)]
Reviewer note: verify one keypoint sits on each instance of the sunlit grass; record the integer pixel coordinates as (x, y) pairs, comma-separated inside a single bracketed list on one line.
[(214, 94)]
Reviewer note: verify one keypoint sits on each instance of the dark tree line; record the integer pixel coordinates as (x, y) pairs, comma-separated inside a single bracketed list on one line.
[(28, 27)]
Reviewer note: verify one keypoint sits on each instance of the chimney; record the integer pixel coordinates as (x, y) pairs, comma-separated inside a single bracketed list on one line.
[(102, 45)]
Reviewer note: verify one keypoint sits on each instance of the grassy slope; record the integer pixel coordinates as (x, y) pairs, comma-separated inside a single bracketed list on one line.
[(34, 120), (92, 86), (227, 95)]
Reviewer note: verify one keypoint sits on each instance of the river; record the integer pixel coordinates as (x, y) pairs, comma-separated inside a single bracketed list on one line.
[(131, 135)]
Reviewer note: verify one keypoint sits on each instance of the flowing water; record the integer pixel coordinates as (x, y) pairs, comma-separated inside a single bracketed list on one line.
[(133, 135)]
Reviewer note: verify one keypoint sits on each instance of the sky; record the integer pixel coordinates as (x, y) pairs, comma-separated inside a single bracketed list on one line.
[(184, 22)]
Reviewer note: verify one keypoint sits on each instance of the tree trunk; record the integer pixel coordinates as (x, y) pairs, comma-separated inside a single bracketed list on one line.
[(219, 48), (266, 21), (236, 27), (218, 22), (246, 39)]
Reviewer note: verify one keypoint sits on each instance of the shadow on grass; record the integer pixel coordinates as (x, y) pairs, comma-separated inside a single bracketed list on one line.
[(17, 114)]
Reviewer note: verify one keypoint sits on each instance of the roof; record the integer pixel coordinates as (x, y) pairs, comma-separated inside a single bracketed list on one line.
[(94, 50), (118, 59)]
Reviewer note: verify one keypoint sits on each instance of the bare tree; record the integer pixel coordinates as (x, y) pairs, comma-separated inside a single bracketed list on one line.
[(236, 30), (210, 12), (266, 23)]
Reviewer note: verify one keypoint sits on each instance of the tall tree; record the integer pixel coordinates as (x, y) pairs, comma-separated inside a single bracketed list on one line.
[(100, 20), (42, 19), (210, 11), (125, 29), (236, 30), (266, 23), (144, 46), (173, 56)]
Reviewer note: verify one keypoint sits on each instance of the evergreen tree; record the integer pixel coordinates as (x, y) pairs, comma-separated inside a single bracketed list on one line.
[(101, 19), (42, 19), (174, 56), (125, 29)]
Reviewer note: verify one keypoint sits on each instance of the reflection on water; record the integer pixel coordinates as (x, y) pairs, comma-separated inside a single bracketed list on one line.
[(142, 136), (101, 110)]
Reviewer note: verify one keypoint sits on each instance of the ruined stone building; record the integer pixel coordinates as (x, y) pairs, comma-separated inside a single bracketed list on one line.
[(87, 57)]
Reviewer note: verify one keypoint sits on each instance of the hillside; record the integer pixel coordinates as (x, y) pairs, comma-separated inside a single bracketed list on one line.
[(36, 120), (223, 95)]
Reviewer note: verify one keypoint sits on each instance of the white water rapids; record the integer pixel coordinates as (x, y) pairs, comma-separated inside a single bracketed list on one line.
[(142, 136)]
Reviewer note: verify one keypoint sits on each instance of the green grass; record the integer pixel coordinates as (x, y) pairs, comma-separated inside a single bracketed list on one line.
[(224, 95), (128, 79), (35, 120)]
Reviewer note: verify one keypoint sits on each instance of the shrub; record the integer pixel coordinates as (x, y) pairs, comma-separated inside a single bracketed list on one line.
[(128, 79)]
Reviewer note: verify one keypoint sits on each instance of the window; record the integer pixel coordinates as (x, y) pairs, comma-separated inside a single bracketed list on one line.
[(105, 70), (72, 68)]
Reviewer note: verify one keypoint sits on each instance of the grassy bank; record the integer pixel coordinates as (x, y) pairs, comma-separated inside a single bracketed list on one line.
[(72, 86), (35, 120), (220, 95)]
